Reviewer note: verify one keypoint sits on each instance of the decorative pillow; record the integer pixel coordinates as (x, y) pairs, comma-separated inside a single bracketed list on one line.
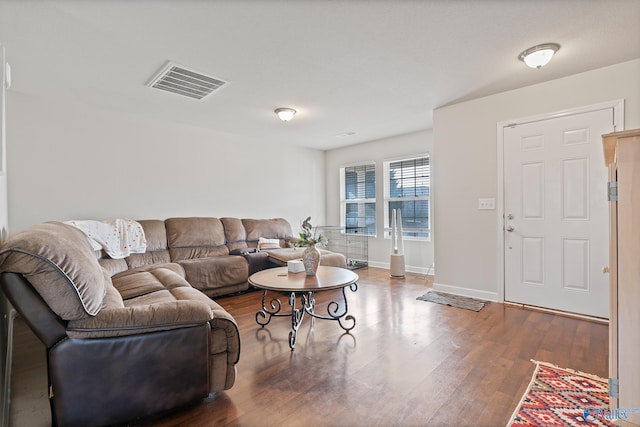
[(268, 243)]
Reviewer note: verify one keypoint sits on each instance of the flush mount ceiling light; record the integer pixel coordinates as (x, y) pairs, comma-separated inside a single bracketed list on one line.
[(285, 114), (540, 55)]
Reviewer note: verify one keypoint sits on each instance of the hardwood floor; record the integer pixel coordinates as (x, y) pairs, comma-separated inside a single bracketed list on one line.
[(406, 362)]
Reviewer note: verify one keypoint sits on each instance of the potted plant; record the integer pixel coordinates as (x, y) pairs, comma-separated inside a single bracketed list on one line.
[(311, 255)]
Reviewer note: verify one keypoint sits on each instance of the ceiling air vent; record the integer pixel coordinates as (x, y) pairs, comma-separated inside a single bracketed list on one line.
[(183, 81)]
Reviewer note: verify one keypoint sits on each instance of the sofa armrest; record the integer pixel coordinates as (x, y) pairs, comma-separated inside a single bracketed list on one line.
[(141, 319), (47, 326), (257, 261)]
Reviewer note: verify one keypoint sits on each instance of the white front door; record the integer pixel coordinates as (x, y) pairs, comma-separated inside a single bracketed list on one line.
[(556, 238)]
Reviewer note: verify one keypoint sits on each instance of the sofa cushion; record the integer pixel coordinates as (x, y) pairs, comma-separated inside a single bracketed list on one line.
[(60, 264), (333, 259), (113, 266), (157, 249), (148, 258), (181, 254), (206, 274), (112, 298), (234, 233), (281, 256), (146, 282), (276, 228), (328, 258), (176, 268), (195, 237), (155, 233), (168, 314), (163, 310)]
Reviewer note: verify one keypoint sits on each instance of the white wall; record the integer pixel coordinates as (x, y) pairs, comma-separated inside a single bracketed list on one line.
[(4, 82), (5, 308), (418, 255), (70, 161), (465, 166)]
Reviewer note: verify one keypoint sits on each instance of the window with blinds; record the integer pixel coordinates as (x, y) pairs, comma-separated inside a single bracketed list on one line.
[(407, 185), (358, 198)]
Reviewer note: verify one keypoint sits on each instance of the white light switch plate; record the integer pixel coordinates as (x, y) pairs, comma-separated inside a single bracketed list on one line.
[(487, 204)]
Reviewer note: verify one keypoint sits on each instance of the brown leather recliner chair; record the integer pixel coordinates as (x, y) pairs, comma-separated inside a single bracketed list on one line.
[(119, 349)]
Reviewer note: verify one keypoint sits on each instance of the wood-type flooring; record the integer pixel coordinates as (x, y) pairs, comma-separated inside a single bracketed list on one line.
[(406, 363)]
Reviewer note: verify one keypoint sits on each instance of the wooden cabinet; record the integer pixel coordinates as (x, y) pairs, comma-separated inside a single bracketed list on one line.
[(622, 156)]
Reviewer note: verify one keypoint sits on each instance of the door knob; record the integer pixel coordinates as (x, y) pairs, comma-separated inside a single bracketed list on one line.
[(510, 229)]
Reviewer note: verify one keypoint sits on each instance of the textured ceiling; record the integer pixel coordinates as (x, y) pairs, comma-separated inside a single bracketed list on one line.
[(372, 68)]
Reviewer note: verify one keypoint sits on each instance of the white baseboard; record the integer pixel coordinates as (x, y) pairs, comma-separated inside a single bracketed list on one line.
[(466, 292), (408, 268)]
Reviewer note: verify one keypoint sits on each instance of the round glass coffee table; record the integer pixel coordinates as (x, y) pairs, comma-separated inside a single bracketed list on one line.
[(299, 284)]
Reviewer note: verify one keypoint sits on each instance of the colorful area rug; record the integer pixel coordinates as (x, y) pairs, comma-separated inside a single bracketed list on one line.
[(454, 300), (559, 397)]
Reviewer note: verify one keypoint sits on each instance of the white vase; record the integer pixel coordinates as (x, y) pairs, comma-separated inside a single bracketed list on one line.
[(311, 260)]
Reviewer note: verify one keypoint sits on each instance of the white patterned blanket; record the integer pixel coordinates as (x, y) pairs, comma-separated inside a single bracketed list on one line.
[(118, 237)]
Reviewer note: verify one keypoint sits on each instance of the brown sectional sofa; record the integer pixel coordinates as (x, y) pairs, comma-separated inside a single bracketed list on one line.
[(130, 337), (202, 248)]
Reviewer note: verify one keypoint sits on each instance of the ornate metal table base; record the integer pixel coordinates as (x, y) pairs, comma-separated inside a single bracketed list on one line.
[(334, 312)]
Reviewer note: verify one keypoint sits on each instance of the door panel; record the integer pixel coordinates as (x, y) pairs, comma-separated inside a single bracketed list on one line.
[(575, 189), (533, 260), (556, 213), (533, 191)]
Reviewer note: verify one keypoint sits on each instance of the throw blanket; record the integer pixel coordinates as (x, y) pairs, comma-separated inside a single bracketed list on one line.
[(118, 237)]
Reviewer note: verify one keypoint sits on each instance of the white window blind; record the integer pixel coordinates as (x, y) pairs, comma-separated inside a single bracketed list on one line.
[(407, 185), (358, 198)]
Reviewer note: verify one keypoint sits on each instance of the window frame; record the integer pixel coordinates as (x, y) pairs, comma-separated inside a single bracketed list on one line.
[(386, 165), (360, 201)]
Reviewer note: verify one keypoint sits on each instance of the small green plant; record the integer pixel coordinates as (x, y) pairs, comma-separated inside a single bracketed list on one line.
[(309, 236)]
